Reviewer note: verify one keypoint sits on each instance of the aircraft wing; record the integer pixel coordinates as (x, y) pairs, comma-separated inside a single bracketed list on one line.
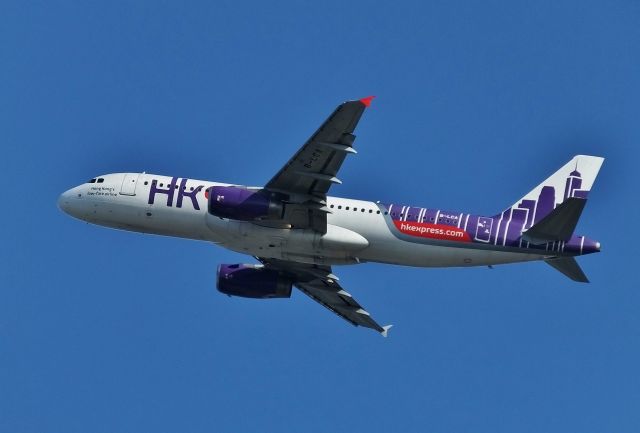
[(308, 175), (319, 283)]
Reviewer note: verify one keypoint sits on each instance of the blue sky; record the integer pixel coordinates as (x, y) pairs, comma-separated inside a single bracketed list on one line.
[(477, 102)]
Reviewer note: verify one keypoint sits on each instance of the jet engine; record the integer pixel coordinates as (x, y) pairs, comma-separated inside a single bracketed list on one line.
[(252, 281), (244, 204)]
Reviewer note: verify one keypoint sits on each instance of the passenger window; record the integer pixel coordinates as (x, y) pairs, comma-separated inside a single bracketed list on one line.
[(331, 206), (378, 212), (370, 211), (339, 207), (347, 208), (146, 182)]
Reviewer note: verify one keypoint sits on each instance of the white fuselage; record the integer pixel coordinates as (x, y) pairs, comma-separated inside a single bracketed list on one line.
[(122, 201)]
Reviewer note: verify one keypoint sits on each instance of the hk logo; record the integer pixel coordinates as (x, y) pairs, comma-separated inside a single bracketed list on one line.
[(171, 190)]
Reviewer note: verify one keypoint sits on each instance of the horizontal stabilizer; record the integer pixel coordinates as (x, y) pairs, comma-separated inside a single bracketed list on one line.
[(558, 225), (569, 267)]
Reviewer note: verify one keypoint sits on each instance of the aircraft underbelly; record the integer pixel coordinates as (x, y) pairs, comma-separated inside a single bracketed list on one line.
[(422, 255), (344, 245), (337, 246)]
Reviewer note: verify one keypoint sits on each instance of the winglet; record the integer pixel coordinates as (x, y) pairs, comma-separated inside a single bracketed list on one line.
[(385, 330), (367, 101)]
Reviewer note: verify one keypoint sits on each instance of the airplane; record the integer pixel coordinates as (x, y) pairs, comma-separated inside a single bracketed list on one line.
[(298, 233)]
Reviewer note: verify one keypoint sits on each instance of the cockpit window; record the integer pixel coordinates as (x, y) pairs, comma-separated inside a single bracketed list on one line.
[(92, 180), (100, 180)]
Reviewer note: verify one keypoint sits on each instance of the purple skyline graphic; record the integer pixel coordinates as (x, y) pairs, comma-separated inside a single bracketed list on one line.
[(506, 229), (535, 210)]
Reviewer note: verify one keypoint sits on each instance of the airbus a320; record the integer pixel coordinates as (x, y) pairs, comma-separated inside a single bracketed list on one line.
[(298, 233)]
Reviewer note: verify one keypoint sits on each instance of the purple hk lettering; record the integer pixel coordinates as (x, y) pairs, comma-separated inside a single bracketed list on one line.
[(169, 192), (182, 192)]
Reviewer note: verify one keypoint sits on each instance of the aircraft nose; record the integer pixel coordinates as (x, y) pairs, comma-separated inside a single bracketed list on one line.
[(67, 202), (63, 202)]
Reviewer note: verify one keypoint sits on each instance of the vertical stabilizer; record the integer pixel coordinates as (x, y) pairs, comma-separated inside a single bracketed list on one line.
[(574, 179)]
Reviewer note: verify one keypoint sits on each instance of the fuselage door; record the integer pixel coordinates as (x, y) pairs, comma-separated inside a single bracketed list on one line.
[(483, 230), (129, 184)]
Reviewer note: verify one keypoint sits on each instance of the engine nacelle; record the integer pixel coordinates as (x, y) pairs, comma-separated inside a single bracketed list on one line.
[(252, 281), (244, 204)]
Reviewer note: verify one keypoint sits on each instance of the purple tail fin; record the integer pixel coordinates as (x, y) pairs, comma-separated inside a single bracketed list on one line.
[(574, 179)]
